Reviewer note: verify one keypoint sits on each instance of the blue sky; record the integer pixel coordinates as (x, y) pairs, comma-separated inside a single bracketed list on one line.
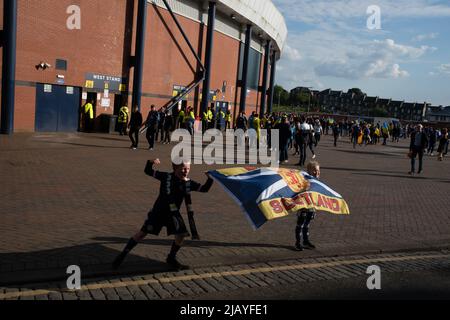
[(330, 46)]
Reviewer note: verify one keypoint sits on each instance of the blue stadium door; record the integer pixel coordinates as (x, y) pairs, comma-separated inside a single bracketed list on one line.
[(57, 108)]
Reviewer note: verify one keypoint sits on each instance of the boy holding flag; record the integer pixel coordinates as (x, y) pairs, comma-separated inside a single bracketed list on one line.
[(175, 187)]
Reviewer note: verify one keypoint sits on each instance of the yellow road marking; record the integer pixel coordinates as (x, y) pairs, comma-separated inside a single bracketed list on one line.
[(15, 295)]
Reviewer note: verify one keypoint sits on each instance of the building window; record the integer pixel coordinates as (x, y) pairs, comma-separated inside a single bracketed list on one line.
[(254, 63), (61, 64)]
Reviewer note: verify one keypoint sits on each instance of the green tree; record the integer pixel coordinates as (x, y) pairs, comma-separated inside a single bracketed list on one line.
[(300, 96), (357, 91), (281, 96)]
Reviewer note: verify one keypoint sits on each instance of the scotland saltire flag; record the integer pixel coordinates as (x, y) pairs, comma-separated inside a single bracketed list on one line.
[(265, 194)]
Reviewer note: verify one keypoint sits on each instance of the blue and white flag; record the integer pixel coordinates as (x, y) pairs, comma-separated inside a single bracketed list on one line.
[(270, 193)]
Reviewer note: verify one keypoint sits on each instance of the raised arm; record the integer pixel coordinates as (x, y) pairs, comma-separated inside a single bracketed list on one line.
[(202, 188), (150, 171)]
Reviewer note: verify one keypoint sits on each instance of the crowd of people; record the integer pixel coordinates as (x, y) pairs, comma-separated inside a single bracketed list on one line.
[(297, 133), (160, 124)]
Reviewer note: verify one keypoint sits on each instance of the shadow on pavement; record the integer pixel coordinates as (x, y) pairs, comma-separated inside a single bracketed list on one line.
[(94, 260), (359, 151), (86, 145), (190, 243)]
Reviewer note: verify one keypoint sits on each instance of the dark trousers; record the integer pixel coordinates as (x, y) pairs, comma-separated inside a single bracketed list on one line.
[(283, 151), (431, 148), (302, 150), (311, 147), (157, 134), (150, 135), (317, 138), (88, 124), (416, 152), (122, 128), (134, 140), (335, 140), (304, 219), (190, 128), (167, 137)]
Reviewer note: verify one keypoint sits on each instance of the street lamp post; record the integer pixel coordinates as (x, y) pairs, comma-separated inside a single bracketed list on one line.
[(279, 100), (309, 98), (309, 102)]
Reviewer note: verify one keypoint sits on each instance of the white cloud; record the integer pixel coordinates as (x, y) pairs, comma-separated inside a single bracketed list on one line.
[(328, 54), (358, 70), (338, 12), (443, 69), (421, 37), (389, 46), (395, 72), (336, 42), (376, 59), (291, 54)]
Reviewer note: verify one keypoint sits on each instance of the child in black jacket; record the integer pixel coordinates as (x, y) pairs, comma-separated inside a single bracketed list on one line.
[(175, 187)]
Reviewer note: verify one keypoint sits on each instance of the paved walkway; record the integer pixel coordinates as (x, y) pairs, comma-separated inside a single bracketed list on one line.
[(219, 282), (75, 199)]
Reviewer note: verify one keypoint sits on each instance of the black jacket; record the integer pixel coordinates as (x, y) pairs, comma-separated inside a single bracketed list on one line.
[(136, 120), (152, 120), (173, 190), (423, 141)]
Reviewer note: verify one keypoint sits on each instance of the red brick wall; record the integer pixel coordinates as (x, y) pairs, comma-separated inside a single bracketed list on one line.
[(99, 48), (42, 35)]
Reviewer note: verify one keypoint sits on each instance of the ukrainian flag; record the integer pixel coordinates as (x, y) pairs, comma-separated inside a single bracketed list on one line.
[(266, 194)]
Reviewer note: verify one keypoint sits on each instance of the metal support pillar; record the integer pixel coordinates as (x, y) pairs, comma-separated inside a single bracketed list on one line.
[(273, 68), (208, 56), (265, 76), (248, 40), (8, 66), (140, 52)]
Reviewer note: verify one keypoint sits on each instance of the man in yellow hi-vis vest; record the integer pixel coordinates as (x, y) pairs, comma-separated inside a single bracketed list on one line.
[(180, 120), (123, 120), (210, 118), (228, 120), (89, 116), (206, 120)]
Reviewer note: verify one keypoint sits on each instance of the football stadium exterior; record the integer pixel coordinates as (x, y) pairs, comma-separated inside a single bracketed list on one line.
[(171, 53)]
